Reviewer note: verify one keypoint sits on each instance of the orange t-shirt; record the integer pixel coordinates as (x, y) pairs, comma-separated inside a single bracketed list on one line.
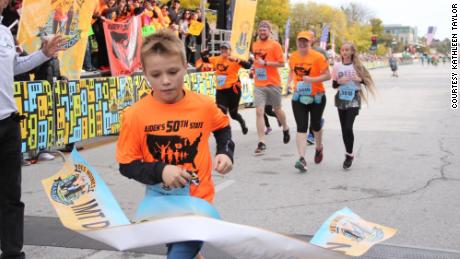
[(310, 65), (176, 134), (226, 72), (123, 17), (207, 67), (269, 51)]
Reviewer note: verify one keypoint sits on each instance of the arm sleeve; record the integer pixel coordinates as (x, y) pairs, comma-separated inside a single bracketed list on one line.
[(29, 62), (245, 64), (225, 144), (146, 173)]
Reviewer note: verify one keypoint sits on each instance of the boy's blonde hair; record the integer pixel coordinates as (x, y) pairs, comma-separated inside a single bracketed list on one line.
[(164, 42)]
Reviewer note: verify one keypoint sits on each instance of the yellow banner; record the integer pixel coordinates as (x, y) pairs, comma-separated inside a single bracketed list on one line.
[(242, 28), (70, 18), (195, 28)]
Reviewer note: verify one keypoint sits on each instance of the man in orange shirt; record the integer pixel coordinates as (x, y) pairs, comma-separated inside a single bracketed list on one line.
[(308, 69), (164, 136), (268, 56), (228, 93)]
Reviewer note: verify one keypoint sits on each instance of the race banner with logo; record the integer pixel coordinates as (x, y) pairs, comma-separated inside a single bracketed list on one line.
[(124, 41), (242, 28), (85, 205), (70, 18), (348, 233), (81, 198)]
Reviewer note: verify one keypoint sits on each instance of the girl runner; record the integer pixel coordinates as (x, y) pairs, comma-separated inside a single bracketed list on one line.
[(353, 82)]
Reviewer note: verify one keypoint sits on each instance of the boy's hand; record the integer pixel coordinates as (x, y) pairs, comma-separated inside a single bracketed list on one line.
[(223, 164), (175, 177)]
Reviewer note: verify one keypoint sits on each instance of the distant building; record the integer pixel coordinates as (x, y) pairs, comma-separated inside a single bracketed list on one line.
[(404, 34)]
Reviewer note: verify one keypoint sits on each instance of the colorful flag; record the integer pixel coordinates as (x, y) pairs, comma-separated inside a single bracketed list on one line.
[(324, 37), (242, 28), (71, 19), (430, 35), (124, 41)]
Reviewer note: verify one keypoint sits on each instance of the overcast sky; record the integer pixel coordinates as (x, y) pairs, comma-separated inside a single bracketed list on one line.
[(420, 14)]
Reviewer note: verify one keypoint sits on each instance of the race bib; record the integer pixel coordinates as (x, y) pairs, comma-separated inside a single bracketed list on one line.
[(347, 91), (221, 80), (261, 74), (304, 88)]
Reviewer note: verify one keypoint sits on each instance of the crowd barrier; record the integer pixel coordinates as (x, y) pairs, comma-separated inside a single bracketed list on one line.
[(64, 112)]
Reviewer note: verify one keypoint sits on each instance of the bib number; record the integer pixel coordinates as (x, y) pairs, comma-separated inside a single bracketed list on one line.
[(261, 74), (347, 92), (221, 80), (304, 88)]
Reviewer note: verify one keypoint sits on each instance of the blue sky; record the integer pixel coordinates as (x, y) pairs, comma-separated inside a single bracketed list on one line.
[(420, 14)]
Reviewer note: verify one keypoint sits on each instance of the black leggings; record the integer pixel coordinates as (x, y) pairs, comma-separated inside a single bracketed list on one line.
[(227, 99), (269, 111), (301, 112), (347, 118)]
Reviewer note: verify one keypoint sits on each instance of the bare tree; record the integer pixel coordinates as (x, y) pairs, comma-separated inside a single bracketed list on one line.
[(357, 13)]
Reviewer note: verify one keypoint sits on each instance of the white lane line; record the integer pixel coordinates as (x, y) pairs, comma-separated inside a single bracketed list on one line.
[(224, 185)]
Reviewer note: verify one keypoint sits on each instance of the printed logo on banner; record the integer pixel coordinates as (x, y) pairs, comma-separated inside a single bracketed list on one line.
[(69, 189), (353, 230), (242, 44)]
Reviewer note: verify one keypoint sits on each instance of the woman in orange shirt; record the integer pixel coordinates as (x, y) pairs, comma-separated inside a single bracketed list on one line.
[(308, 69), (228, 93)]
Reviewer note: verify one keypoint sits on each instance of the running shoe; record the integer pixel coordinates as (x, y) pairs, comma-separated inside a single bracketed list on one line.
[(348, 161), (46, 156), (244, 128), (319, 155), (268, 131), (286, 136), (260, 150), (311, 138), (301, 164)]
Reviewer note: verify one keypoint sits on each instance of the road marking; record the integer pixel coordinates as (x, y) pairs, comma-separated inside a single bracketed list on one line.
[(224, 185)]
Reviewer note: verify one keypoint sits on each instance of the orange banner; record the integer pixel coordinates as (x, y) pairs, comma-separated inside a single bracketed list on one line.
[(124, 41)]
